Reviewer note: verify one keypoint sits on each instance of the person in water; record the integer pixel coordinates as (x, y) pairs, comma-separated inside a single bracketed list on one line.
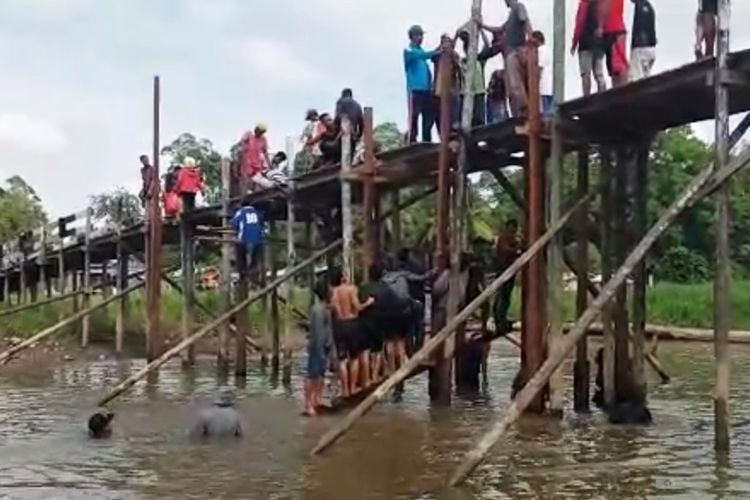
[(99, 424), (219, 420), (319, 344)]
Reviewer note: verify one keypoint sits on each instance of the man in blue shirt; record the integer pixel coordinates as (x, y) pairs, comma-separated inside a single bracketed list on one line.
[(248, 225), (419, 85)]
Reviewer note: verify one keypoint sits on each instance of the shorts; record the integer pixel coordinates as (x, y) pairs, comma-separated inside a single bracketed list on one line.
[(591, 61), (709, 7), (397, 326), (642, 62), (349, 338), (316, 366), (617, 53), (372, 331)]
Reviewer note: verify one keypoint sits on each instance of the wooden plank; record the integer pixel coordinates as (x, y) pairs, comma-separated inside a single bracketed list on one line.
[(346, 200)]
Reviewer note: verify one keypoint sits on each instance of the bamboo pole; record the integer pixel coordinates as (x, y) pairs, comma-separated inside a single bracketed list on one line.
[(621, 247), (5, 356), (291, 258), (42, 259), (86, 299), (154, 340), (273, 318), (370, 193), (534, 386), (41, 303), (436, 340), (237, 308), (241, 318)]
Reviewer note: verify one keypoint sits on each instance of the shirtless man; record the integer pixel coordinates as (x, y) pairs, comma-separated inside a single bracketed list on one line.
[(348, 334)]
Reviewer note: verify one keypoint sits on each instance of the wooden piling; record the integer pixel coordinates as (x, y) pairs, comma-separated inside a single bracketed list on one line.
[(61, 266), (272, 314), (42, 260), (291, 259), (621, 248), (222, 357), (534, 305), (640, 276), (607, 247), (187, 262), (310, 275), (241, 306), (154, 341), (4, 267), (346, 199), (370, 194), (581, 368), (722, 281), (86, 297), (241, 317), (525, 397), (438, 338)]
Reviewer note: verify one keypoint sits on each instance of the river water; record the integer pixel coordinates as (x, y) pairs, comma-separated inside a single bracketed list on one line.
[(400, 450)]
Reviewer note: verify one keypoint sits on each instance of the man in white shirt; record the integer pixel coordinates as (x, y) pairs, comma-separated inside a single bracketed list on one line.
[(545, 73)]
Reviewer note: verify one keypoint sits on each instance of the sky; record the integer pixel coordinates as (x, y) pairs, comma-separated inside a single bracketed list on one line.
[(75, 90)]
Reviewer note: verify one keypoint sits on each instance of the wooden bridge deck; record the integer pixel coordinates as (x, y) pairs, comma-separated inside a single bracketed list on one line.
[(678, 97)]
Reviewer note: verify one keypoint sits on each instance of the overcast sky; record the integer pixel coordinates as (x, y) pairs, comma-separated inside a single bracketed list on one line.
[(75, 90)]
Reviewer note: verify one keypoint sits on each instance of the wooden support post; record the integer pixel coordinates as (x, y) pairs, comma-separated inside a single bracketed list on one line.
[(154, 341), (273, 317), (61, 267), (438, 338), (370, 195), (241, 317), (640, 281), (222, 357), (187, 259), (525, 397), (457, 287), (75, 286), (310, 275), (265, 326), (123, 269), (608, 368), (722, 283), (42, 259), (4, 267), (86, 297), (440, 374), (22, 278), (621, 247), (534, 307), (346, 199), (291, 260), (581, 367)]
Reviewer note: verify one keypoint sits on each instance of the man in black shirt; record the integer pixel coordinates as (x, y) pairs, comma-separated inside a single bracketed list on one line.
[(643, 44)]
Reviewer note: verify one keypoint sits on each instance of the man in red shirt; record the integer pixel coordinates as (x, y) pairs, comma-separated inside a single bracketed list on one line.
[(256, 156), (614, 35)]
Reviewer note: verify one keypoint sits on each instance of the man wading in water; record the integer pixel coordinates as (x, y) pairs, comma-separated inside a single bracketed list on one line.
[(220, 420), (348, 334)]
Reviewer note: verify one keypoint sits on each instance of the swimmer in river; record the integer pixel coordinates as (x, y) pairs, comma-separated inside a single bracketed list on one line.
[(99, 425), (219, 420)]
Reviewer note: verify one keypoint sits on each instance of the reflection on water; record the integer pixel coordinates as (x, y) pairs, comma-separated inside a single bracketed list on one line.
[(400, 450)]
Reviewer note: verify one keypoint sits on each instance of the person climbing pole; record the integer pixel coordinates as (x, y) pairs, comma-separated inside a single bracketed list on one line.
[(507, 249), (148, 178)]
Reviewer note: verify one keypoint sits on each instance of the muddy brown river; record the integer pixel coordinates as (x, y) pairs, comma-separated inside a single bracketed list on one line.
[(400, 450)]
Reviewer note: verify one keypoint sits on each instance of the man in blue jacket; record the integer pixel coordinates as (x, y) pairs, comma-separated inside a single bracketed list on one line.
[(419, 85)]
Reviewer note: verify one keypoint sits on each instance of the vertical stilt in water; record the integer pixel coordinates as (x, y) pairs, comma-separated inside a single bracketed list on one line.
[(621, 242), (86, 320), (265, 323), (42, 259), (440, 374), (122, 284), (241, 319), (608, 367), (187, 255), (310, 274), (22, 276), (291, 260), (534, 318), (640, 281), (76, 303), (347, 231), (273, 313), (722, 283), (581, 367), (222, 358)]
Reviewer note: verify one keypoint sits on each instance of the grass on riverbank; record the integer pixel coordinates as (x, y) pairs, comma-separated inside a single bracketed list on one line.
[(668, 304)]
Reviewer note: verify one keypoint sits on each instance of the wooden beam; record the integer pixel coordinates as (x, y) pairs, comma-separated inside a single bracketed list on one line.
[(237, 308), (537, 382), (240, 317), (273, 317), (606, 181), (437, 339), (640, 279), (291, 258)]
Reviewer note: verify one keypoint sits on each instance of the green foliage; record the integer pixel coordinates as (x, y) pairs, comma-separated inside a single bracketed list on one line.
[(117, 205), (388, 136), (203, 151), (20, 209), (681, 265)]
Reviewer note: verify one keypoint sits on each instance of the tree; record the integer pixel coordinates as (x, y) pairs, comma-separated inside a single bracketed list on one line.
[(20, 209), (203, 151), (117, 205), (388, 136)]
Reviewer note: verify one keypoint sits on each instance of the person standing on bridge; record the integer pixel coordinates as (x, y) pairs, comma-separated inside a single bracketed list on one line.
[(349, 107), (643, 43), (148, 178), (614, 35), (190, 182), (705, 28), (419, 85), (588, 43), (256, 156)]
